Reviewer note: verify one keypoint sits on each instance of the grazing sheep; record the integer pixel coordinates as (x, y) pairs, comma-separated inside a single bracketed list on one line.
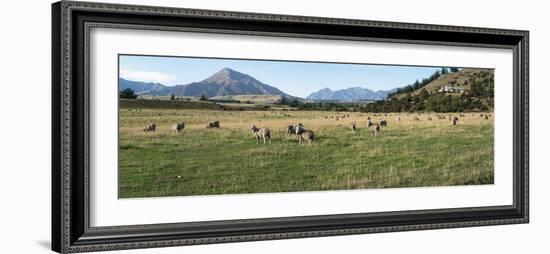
[(455, 119), (353, 126), (486, 117), (178, 127), (263, 133), (213, 124), (397, 118), (306, 135), (290, 130), (302, 133), (429, 118), (149, 127), (416, 118), (299, 128), (383, 123), (374, 127)]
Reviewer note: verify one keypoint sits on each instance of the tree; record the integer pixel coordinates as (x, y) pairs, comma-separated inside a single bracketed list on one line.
[(416, 84), (172, 97), (424, 94), (476, 88), (203, 98), (128, 93), (454, 69)]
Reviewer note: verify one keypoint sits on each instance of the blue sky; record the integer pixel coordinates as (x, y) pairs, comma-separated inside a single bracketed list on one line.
[(294, 78)]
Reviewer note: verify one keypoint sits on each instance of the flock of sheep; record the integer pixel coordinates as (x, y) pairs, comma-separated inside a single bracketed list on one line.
[(304, 134), (261, 133)]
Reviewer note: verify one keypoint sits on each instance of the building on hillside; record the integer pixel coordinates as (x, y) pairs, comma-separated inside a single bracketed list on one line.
[(451, 89)]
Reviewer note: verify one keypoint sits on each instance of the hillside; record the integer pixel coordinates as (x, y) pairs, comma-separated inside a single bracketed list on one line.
[(464, 90), (222, 83), (459, 79), (349, 94)]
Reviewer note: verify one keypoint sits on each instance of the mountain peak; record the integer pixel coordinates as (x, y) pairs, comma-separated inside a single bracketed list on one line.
[(227, 76), (228, 81), (226, 72), (227, 69)]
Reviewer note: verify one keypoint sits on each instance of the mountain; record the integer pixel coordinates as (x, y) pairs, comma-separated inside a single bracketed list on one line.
[(140, 87), (222, 83), (349, 94)]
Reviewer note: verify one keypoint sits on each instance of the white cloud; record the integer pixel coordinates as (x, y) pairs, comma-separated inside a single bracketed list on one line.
[(146, 76)]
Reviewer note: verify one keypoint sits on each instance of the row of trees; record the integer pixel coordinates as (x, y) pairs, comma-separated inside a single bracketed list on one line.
[(129, 93), (322, 105), (435, 102)]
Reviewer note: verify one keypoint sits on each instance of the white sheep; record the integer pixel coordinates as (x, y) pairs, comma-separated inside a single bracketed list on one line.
[(374, 127), (263, 133)]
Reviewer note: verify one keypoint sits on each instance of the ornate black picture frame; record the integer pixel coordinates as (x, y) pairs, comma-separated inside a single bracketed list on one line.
[(71, 231)]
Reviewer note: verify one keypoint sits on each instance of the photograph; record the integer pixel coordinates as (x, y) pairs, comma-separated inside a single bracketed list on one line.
[(234, 126), (210, 126)]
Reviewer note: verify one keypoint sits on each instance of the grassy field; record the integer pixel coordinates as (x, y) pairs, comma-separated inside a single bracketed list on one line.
[(203, 161)]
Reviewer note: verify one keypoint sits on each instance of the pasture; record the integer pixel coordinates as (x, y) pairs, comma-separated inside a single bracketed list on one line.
[(200, 161)]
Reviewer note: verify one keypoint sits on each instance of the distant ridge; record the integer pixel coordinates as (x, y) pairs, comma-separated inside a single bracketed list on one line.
[(222, 83), (349, 94), (140, 87)]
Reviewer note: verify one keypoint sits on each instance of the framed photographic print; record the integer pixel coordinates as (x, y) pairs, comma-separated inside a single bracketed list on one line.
[(177, 126)]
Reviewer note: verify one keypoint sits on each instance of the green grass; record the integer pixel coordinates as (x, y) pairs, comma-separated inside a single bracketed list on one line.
[(228, 160)]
